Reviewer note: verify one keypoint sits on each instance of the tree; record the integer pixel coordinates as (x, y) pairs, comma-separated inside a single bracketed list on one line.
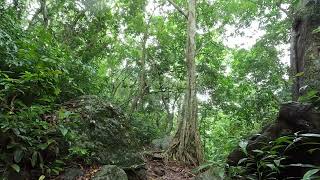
[(186, 145), (142, 74), (305, 48)]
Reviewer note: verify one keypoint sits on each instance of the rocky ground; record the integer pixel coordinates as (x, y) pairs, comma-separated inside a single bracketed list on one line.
[(124, 160), (158, 169), (155, 168)]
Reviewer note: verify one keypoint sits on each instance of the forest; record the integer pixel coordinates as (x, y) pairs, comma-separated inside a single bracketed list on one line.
[(159, 89)]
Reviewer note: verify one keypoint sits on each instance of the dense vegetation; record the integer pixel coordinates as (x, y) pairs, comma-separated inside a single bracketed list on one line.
[(132, 54)]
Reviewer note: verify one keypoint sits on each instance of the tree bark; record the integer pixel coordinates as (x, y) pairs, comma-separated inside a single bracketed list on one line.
[(142, 75), (43, 7), (170, 111), (305, 49), (186, 145)]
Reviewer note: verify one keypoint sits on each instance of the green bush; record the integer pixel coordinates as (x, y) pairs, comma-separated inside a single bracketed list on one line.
[(293, 156)]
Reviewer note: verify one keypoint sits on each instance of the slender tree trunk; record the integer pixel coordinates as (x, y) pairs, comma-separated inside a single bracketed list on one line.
[(186, 145), (142, 75), (305, 49), (170, 112), (18, 8), (43, 7)]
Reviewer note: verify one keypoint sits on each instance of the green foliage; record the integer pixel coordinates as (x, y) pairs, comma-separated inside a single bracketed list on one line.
[(27, 140), (244, 100), (94, 47), (36, 72), (280, 157)]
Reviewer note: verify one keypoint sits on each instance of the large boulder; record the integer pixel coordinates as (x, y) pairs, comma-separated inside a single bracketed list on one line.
[(102, 129), (110, 172)]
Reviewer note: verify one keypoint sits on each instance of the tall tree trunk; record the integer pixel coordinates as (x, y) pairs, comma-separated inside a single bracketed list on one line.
[(186, 145), (142, 75), (305, 49)]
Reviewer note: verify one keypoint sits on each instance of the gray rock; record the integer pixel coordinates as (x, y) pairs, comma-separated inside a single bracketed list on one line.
[(162, 143), (136, 172), (72, 173), (104, 130), (110, 172), (211, 174)]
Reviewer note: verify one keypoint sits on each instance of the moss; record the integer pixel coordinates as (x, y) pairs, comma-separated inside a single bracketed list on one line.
[(104, 130)]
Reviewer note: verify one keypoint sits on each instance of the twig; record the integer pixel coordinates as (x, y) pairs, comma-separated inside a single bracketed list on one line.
[(12, 102)]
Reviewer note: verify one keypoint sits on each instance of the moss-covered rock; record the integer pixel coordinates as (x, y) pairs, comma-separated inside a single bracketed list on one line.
[(103, 130), (110, 172)]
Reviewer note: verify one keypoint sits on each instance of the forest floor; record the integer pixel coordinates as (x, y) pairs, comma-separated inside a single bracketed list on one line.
[(158, 169)]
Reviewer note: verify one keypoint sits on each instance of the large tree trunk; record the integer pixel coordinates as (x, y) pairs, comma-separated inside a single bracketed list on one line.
[(186, 145), (305, 48)]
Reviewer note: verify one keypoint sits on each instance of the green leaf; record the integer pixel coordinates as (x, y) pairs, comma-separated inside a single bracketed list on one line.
[(284, 139), (278, 161), (299, 74), (63, 131), (301, 165), (42, 177), (17, 155), (317, 30), (312, 150), (59, 162), (277, 147), (43, 146), (34, 158), (56, 172), (16, 167), (272, 166), (243, 145), (40, 158), (310, 135), (258, 151), (41, 166), (50, 141), (308, 175), (242, 160), (57, 91)]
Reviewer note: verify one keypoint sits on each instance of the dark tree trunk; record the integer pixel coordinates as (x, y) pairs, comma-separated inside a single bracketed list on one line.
[(305, 48)]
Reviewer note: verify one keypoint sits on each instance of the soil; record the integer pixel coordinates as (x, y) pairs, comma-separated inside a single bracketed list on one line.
[(156, 169), (159, 169)]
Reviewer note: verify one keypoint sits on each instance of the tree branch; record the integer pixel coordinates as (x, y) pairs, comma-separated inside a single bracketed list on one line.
[(31, 22), (178, 8), (282, 9)]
